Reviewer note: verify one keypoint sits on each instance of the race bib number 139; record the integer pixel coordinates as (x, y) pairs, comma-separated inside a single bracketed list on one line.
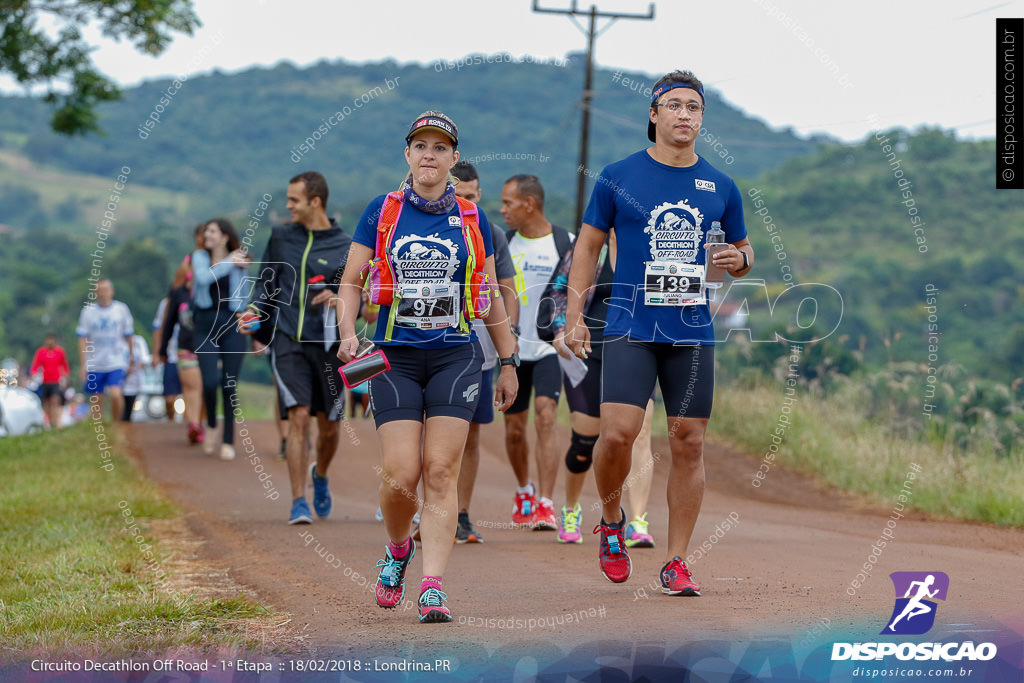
[(667, 283)]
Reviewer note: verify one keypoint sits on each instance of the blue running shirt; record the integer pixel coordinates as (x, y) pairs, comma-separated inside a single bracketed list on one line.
[(426, 249), (662, 213)]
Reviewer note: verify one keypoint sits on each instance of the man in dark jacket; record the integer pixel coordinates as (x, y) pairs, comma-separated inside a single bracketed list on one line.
[(299, 275)]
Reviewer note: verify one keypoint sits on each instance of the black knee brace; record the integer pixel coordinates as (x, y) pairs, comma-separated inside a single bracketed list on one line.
[(580, 453)]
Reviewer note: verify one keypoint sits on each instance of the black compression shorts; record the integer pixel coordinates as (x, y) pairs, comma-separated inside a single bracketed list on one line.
[(485, 406), (686, 375), (585, 397), (431, 382)]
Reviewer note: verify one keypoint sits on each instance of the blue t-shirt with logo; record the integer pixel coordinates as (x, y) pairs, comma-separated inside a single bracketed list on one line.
[(428, 254), (662, 213)]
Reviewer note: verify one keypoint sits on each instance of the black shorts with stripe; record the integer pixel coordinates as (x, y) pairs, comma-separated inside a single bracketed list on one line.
[(428, 383), (307, 375)]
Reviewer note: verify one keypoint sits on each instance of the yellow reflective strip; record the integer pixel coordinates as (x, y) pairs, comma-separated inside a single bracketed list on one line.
[(520, 279), (392, 314), (302, 286)]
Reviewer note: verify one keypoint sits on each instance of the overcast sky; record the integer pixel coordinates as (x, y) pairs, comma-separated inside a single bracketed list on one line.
[(840, 68)]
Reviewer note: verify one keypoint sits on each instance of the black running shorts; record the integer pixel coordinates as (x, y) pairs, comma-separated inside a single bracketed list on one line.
[(686, 375), (543, 377), (307, 375), (429, 382), (485, 406), (585, 397), (49, 390)]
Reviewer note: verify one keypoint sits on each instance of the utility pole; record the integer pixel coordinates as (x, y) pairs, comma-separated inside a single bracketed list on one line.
[(588, 94)]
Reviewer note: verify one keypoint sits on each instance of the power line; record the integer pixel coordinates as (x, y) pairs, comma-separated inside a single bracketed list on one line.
[(588, 93)]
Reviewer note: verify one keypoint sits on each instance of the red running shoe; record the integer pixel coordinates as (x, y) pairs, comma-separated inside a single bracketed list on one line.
[(195, 433), (615, 564), (677, 580), (544, 519), (523, 508)]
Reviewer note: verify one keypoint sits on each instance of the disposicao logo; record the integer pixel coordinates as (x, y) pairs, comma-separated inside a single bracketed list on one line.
[(914, 614)]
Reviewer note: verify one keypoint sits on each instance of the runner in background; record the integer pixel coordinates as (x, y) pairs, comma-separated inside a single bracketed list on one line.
[(584, 401), (51, 362), (171, 380), (468, 187), (104, 330), (292, 300), (135, 375), (536, 247), (218, 270), (169, 367), (177, 326)]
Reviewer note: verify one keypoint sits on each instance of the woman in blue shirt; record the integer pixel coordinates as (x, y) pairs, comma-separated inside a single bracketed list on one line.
[(431, 391), (217, 296)]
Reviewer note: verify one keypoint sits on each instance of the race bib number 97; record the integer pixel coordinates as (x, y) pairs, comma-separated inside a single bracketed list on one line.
[(428, 306), (668, 283)]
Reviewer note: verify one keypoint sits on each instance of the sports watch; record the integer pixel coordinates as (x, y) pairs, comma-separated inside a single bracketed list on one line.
[(511, 360)]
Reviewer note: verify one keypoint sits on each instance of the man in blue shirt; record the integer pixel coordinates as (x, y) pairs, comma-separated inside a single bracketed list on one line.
[(661, 202)]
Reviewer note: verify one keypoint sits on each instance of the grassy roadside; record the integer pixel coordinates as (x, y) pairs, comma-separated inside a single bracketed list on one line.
[(829, 439), (257, 400), (82, 568)]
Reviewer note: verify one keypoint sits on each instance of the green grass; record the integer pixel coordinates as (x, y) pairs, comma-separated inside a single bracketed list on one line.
[(72, 580), (830, 440), (256, 400)]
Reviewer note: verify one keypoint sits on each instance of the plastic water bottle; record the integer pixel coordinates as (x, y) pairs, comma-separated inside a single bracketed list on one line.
[(713, 275)]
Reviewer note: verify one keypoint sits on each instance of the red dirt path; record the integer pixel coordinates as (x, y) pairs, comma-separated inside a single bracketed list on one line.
[(783, 570)]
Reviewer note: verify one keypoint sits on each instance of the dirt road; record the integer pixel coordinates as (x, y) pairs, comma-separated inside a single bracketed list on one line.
[(777, 569)]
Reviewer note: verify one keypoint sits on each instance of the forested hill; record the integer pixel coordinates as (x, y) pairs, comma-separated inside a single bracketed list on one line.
[(225, 140), (890, 223), (878, 220)]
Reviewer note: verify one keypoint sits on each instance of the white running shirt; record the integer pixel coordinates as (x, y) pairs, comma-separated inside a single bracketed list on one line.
[(535, 260), (108, 330)]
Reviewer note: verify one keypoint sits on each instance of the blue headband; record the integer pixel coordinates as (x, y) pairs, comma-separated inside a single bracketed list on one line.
[(665, 87)]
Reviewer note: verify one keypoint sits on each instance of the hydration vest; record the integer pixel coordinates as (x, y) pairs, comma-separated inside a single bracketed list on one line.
[(379, 274)]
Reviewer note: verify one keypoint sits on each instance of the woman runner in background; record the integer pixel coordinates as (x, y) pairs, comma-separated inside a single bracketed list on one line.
[(218, 270)]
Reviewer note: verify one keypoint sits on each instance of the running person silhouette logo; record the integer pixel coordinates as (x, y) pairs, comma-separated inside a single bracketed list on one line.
[(914, 612)]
